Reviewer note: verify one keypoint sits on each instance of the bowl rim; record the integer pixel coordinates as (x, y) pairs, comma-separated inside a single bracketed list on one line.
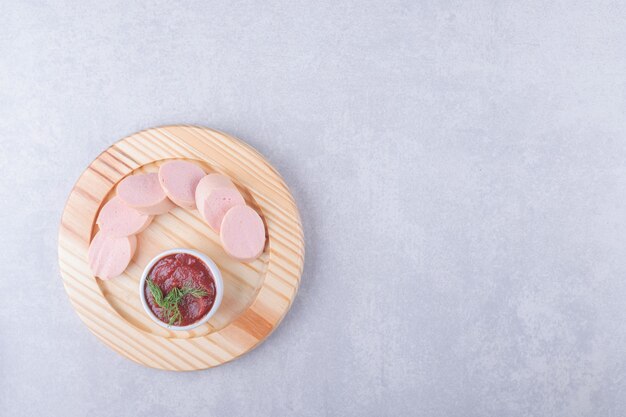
[(217, 278)]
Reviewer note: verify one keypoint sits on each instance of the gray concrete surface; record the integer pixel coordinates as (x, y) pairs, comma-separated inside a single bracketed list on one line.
[(460, 168)]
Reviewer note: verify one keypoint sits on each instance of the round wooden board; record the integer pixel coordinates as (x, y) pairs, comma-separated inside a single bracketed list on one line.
[(257, 294)]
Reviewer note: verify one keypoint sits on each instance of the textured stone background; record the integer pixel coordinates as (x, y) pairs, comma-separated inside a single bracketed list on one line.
[(460, 168)]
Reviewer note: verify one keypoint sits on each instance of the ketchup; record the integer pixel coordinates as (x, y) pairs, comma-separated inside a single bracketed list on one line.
[(182, 270)]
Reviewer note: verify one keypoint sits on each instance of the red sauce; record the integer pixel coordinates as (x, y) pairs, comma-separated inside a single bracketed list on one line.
[(179, 270)]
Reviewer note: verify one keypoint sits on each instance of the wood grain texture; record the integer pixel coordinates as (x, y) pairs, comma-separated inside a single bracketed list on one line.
[(257, 294)]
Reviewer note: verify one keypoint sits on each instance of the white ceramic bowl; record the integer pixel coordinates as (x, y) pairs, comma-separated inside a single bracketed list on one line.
[(217, 278)]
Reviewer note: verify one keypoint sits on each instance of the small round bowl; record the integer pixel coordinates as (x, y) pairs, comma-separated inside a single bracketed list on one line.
[(217, 278)]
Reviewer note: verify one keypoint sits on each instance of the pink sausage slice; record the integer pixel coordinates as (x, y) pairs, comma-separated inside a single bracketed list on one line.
[(215, 195), (109, 256), (242, 233), (116, 219), (179, 180), (218, 203), (207, 184), (144, 193), (210, 182)]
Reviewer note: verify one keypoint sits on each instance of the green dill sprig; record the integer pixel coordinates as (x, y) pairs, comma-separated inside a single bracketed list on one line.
[(170, 302)]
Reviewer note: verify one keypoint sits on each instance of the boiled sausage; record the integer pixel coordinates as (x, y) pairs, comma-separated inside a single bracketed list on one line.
[(116, 219), (215, 195), (109, 256), (242, 233), (144, 193), (179, 180)]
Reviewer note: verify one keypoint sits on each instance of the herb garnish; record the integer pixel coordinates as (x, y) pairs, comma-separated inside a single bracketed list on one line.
[(170, 302)]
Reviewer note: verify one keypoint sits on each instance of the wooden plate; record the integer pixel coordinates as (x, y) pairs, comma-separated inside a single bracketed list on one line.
[(257, 295)]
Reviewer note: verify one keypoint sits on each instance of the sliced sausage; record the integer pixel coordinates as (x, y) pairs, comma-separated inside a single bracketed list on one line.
[(109, 256), (179, 180), (116, 219), (210, 182), (215, 195), (144, 193), (242, 233), (217, 204)]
